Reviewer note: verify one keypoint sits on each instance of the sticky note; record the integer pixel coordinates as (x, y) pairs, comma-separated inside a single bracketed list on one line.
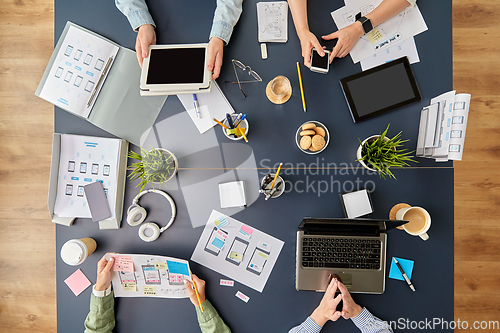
[(374, 35), (245, 231), (235, 255), (77, 282), (228, 283), (218, 243), (407, 266), (129, 286), (221, 222), (175, 267), (160, 265), (149, 291), (221, 234), (123, 263), (242, 296), (263, 255)]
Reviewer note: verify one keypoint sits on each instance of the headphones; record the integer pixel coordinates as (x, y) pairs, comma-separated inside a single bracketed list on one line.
[(137, 214)]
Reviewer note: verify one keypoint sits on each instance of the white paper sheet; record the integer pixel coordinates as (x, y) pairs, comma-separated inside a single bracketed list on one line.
[(84, 160), (153, 276), (272, 21), (406, 24), (405, 48), (76, 71), (212, 105), (237, 234)]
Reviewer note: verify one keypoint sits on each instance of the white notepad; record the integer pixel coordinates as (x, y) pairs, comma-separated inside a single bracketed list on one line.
[(272, 21), (232, 194)]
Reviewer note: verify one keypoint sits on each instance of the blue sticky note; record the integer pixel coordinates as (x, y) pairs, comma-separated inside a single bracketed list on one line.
[(175, 267), (218, 243), (407, 266)]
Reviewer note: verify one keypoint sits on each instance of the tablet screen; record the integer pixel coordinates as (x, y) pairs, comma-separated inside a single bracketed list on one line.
[(380, 89), (176, 66)]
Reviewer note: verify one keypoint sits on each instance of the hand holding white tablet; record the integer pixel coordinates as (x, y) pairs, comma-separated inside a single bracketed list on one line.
[(214, 61), (146, 36)]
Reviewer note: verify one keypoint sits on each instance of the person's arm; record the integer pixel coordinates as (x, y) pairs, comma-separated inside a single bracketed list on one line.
[(349, 36), (209, 320), (226, 16), (307, 39), (101, 317), (141, 21)]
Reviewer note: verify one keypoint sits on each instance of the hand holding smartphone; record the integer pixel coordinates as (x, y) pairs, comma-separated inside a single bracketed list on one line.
[(320, 64)]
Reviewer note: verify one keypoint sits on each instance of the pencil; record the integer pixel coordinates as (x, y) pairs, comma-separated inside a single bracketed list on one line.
[(242, 133), (301, 88), (197, 296), (276, 176), (218, 122)]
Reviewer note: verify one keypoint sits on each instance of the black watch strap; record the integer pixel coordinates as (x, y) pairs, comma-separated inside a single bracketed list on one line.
[(365, 23)]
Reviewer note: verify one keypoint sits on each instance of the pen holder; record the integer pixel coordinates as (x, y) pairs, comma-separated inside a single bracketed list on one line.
[(265, 186), (233, 134)]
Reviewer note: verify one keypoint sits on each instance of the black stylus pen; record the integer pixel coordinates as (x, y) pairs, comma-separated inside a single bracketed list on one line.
[(404, 275)]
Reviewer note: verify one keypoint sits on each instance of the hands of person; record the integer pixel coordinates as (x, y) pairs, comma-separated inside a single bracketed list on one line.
[(327, 309), (347, 38), (214, 62), (200, 285), (307, 41), (145, 37), (104, 273), (349, 308)]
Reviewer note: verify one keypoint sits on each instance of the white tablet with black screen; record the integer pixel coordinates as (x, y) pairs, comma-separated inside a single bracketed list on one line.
[(179, 67)]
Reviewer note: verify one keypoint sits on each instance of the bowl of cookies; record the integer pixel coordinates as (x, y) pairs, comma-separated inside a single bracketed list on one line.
[(312, 137)]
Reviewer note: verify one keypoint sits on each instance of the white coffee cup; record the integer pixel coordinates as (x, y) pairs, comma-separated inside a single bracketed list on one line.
[(75, 251), (419, 221)]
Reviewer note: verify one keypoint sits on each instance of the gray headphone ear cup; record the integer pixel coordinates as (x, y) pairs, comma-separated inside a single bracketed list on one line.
[(136, 216), (151, 226)]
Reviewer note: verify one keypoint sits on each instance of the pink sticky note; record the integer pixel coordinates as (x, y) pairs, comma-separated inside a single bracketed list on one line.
[(123, 264), (77, 282), (246, 229)]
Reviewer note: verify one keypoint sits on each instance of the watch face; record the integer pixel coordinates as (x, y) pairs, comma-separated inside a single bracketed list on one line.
[(367, 25)]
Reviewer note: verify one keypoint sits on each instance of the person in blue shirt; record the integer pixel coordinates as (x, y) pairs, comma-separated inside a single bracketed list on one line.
[(226, 16), (327, 310)]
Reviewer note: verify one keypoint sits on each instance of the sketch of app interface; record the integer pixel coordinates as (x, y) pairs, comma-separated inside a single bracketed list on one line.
[(80, 191), (151, 275), (88, 59), (258, 261), (89, 86), (68, 76), (78, 55), (69, 189), (237, 250), (71, 166), (175, 279), (59, 72), (95, 168), (105, 171), (78, 81), (69, 48), (99, 64), (83, 167), (126, 277), (216, 241)]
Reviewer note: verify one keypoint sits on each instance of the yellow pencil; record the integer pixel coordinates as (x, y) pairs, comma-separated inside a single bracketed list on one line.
[(218, 122), (301, 88), (197, 295), (276, 176), (242, 133)]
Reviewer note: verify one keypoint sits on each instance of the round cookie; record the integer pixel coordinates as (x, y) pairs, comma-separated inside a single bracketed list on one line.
[(320, 131), (308, 126), (305, 142), (307, 132), (313, 149), (318, 142)]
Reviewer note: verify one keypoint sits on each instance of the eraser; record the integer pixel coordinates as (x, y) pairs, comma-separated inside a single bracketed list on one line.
[(263, 50)]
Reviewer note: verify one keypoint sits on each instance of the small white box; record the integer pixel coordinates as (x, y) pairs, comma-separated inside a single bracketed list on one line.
[(232, 194), (356, 203)]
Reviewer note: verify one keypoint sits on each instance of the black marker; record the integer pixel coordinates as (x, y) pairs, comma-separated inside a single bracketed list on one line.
[(404, 274)]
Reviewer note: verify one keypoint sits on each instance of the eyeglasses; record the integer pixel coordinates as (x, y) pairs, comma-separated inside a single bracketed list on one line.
[(252, 73)]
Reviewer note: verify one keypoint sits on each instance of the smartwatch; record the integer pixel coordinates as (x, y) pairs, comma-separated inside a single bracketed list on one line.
[(365, 22)]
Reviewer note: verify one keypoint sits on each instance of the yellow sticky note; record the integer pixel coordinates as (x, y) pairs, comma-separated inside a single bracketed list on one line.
[(129, 286), (160, 265), (263, 255), (149, 291), (374, 35), (235, 255)]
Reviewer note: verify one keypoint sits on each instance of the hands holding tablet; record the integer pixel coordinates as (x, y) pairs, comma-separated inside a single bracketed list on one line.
[(215, 50), (146, 36)]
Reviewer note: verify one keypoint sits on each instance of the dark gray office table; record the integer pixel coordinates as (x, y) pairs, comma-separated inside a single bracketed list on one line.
[(272, 130)]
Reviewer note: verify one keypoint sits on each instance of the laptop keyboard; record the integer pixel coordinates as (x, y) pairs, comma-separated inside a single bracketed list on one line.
[(341, 253)]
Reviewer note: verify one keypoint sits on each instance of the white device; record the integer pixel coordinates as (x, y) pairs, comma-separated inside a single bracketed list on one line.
[(172, 69), (137, 214), (320, 64)]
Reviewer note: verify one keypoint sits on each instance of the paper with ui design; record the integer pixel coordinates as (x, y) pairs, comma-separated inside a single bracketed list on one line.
[(76, 71), (152, 276), (272, 21), (212, 105), (406, 24), (237, 250), (406, 48)]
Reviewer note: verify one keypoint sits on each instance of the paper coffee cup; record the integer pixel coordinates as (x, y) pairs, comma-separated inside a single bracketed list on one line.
[(75, 251), (419, 221)]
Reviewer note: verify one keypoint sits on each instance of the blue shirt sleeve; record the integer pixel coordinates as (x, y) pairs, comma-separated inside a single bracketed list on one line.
[(308, 326), (136, 12), (226, 16), (368, 323)]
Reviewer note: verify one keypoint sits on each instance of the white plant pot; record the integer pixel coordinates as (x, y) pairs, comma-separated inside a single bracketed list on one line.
[(176, 163), (358, 152)]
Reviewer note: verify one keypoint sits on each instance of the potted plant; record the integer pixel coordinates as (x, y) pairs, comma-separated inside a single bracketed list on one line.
[(156, 166), (379, 153)]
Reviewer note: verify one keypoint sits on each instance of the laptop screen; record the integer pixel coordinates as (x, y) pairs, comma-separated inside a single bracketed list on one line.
[(341, 226)]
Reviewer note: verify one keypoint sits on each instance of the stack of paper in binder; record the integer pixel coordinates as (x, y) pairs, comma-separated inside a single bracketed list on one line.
[(442, 127)]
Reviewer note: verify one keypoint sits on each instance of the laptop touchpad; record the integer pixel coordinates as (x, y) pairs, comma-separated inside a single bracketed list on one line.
[(346, 279)]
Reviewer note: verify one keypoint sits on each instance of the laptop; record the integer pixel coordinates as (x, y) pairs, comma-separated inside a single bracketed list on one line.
[(353, 250)]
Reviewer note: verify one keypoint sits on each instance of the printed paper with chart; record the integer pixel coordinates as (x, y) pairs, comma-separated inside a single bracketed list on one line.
[(406, 24), (151, 276), (84, 160), (237, 250), (76, 71)]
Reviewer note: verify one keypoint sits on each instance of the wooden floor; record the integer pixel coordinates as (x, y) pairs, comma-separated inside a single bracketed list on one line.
[(27, 237)]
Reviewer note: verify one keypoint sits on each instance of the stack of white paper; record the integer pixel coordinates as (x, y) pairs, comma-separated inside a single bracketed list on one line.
[(272, 19)]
